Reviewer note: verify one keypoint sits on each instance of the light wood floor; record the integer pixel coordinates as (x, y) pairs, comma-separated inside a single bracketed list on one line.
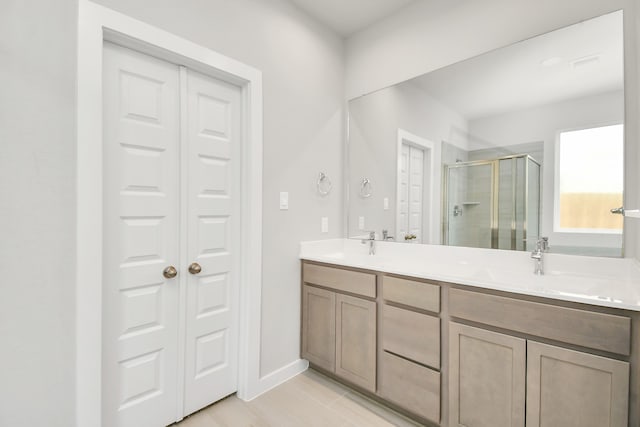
[(310, 399)]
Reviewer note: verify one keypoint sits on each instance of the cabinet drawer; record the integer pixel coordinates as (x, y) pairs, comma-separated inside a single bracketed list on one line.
[(589, 329), (354, 282), (410, 386), (412, 335), (425, 296)]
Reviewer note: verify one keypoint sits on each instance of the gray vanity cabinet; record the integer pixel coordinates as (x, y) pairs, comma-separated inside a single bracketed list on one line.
[(486, 378), (494, 376), (508, 360), (339, 330), (574, 389)]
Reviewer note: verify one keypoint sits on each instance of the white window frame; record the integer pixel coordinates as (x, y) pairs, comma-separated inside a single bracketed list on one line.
[(556, 185)]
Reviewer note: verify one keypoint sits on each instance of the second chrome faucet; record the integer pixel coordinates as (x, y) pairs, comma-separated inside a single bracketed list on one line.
[(542, 245)]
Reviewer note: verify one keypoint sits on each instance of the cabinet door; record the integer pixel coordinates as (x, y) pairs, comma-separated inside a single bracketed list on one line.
[(356, 341), (486, 378), (569, 388), (319, 327)]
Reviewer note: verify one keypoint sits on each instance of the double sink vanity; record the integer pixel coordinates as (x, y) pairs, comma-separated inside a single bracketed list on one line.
[(455, 336)]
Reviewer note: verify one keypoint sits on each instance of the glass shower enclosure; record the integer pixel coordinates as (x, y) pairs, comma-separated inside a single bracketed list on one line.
[(492, 203)]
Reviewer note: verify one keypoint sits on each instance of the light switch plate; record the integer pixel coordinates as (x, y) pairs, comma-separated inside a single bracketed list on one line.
[(284, 200), (361, 223), (386, 203), (324, 224)]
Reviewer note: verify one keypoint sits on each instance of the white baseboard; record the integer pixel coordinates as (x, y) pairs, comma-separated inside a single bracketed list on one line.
[(276, 378)]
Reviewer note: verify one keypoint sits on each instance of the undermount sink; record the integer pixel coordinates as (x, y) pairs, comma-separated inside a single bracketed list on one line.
[(560, 283), (600, 281)]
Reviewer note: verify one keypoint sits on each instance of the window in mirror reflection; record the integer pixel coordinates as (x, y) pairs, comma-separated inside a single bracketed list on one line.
[(590, 170)]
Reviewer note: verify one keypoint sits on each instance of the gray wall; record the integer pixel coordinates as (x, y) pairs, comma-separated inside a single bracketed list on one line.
[(37, 205)]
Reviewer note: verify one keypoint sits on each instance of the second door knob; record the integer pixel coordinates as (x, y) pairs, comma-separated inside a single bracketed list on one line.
[(195, 268)]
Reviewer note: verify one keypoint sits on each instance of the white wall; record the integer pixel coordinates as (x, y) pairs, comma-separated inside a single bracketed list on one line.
[(542, 124), (303, 77), (374, 121), (37, 193), (430, 34)]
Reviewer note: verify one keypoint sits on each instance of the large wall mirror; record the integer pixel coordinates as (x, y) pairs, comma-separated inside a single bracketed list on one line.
[(498, 150)]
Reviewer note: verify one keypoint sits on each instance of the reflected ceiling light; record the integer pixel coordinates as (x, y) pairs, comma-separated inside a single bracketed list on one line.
[(585, 60), (550, 62)]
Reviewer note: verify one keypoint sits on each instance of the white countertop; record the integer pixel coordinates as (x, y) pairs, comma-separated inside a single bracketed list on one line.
[(608, 282)]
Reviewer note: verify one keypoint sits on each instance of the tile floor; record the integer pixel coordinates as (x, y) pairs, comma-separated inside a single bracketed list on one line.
[(307, 400)]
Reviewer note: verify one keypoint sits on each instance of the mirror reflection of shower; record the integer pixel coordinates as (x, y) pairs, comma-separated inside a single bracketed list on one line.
[(506, 102), (492, 203)]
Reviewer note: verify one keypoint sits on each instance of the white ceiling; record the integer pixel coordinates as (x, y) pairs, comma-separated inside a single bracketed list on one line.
[(349, 16), (514, 78)]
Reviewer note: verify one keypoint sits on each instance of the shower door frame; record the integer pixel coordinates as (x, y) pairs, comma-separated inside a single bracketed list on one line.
[(494, 203)]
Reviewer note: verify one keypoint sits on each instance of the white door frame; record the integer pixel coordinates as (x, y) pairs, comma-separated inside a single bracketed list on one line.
[(96, 24), (427, 146)]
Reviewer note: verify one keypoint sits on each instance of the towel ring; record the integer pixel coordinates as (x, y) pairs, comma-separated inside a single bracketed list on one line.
[(323, 184), (365, 188)]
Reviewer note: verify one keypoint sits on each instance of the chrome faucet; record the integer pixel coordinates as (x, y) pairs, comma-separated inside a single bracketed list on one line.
[(542, 245), (372, 242), (385, 235)]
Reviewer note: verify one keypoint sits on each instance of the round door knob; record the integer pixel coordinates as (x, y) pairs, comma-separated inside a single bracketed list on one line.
[(170, 272), (195, 268)]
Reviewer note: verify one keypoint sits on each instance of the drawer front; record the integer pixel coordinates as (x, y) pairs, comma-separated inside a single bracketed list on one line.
[(410, 386), (412, 335), (354, 282), (599, 331), (425, 296)]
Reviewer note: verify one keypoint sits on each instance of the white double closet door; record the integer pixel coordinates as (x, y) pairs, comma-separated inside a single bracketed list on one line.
[(411, 194), (172, 140)]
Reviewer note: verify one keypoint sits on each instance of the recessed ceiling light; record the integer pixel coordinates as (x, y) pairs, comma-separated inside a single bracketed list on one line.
[(550, 62)]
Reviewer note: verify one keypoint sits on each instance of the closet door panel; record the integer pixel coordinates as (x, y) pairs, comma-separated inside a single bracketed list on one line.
[(403, 194), (416, 192), (213, 144), (140, 316)]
